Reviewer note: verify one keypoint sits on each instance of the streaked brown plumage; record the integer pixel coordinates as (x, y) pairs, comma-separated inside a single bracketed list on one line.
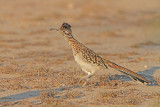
[(89, 61)]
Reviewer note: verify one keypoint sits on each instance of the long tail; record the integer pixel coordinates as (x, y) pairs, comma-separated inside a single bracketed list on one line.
[(126, 71)]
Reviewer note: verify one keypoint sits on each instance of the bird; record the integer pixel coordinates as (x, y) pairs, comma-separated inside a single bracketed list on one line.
[(89, 61)]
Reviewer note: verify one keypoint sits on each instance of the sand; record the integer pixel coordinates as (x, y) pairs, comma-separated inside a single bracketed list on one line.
[(37, 67)]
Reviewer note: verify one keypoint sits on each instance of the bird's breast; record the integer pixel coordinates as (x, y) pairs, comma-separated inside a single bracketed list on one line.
[(85, 65)]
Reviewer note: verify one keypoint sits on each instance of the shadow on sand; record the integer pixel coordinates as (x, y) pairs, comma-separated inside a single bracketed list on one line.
[(148, 74), (30, 94)]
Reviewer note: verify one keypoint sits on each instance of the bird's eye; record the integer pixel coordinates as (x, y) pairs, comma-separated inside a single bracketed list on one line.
[(64, 27)]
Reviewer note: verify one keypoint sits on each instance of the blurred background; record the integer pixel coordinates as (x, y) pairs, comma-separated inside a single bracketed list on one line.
[(30, 17)]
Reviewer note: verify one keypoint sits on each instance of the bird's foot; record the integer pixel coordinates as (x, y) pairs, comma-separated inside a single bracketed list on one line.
[(84, 79)]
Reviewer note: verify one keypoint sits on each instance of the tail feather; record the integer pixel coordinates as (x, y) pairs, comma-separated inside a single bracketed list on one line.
[(126, 71)]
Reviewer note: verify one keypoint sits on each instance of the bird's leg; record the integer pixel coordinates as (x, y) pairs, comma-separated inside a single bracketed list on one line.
[(82, 78), (86, 78)]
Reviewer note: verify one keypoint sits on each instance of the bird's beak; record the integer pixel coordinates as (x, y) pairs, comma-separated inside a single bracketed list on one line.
[(54, 29)]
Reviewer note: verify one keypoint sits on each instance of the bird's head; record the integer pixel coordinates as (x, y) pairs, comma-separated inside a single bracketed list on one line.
[(65, 29)]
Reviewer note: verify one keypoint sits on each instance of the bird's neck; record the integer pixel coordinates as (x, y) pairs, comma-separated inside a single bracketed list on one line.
[(74, 44), (71, 40)]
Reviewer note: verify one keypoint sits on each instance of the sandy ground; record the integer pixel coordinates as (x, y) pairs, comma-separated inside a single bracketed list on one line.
[(37, 67)]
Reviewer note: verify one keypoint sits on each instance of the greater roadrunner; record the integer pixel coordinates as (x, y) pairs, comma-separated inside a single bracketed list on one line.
[(89, 61)]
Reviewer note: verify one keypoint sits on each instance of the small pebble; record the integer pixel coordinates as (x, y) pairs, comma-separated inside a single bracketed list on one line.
[(145, 66)]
